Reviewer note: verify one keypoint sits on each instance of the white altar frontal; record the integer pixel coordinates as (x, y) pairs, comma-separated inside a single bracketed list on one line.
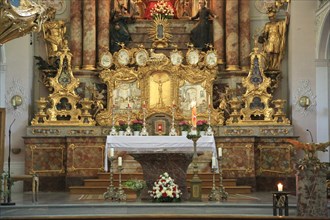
[(157, 144)]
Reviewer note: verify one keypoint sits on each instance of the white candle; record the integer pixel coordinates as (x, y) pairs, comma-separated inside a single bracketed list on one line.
[(213, 162), (280, 187), (219, 152), (209, 100), (112, 152), (128, 102), (120, 161)]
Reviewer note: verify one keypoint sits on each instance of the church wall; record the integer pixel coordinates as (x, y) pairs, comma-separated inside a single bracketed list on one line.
[(19, 54), (301, 58)]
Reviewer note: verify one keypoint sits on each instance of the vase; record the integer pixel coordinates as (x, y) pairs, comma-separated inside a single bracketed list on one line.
[(136, 133), (138, 195), (121, 133), (184, 133)]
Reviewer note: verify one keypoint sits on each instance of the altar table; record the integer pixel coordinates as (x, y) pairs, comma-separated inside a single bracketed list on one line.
[(159, 154)]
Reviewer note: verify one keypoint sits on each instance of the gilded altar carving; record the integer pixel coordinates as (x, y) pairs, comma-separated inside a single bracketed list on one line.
[(257, 101), (18, 18), (61, 107), (160, 82)]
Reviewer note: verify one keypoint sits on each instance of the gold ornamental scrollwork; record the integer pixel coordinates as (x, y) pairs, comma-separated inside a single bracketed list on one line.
[(160, 82)]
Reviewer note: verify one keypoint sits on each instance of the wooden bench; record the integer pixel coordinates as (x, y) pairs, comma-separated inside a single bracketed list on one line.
[(35, 184)]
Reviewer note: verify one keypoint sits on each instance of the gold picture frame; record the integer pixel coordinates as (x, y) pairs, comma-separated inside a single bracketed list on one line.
[(2, 136)]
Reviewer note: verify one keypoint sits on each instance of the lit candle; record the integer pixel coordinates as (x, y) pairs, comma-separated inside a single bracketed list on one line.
[(209, 101), (213, 162), (280, 187), (219, 152), (120, 161), (112, 152), (193, 114)]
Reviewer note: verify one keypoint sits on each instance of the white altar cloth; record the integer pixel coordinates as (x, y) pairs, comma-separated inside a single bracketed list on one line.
[(154, 144)]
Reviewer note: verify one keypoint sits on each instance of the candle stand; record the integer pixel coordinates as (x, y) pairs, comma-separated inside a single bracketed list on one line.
[(111, 191), (121, 196), (196, 182), (280, 203), (209, 131), (113, 131), (144, 131), (223, 195), (173, 132), (214, 194), (128, 131)]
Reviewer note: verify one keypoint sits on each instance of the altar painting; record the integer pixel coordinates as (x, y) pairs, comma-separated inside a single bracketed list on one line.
[(160, 90), (189, 93), (127, 94)]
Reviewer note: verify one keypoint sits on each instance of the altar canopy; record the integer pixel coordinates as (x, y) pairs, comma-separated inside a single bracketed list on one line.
[(157, 144)]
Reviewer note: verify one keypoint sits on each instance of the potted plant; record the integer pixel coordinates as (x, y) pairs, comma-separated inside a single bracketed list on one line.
[(202, 126), (122, 126), (184, 127), (137, 186), (137, 126)]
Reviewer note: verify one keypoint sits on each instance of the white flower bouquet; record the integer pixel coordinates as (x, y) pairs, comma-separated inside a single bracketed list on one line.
[(163, 10), (165, 190)]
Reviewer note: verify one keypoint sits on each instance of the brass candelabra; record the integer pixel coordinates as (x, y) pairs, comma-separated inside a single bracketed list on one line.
[(144, 131), (128, 131), (223, 195), (121, 196), (173, 132), (214, 194), (113, 131), (111, 190)]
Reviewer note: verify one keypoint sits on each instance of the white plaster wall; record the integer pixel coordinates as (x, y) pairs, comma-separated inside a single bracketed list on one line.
[(19, 55), (301, 59)]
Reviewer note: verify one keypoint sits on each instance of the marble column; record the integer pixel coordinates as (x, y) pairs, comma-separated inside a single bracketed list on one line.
[(244, 36), (76, 33), (232, 46), (218, 8), (89, 34), (103, 24)]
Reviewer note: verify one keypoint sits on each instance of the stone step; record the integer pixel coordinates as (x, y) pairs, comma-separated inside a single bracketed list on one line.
[(106, 182), (103, 189)]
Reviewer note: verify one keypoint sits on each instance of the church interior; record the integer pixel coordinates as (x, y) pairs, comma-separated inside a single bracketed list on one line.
[(164, 109)]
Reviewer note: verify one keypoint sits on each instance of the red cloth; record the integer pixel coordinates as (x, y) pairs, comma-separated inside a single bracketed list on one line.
[(151, 4)]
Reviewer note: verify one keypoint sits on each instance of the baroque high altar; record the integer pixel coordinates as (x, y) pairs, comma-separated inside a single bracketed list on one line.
[(92, 81)]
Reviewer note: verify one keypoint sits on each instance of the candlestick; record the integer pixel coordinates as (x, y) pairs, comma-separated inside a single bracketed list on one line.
[(214, 194), (280, 187), (209, 101), (213, 162), (121, 196), (173, 132), (223, 195), (209, 131), (113, 128), (144, 131), (219, 152), (111, 191), (120, 161)]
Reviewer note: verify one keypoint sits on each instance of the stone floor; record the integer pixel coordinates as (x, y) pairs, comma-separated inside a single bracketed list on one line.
[(66, 204)]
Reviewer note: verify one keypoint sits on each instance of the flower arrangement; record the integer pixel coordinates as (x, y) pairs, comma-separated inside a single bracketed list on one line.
[(165, 190), (122, 125), (184, 126), (202, 125), (310, 159), (162, 10), (137, 125)]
